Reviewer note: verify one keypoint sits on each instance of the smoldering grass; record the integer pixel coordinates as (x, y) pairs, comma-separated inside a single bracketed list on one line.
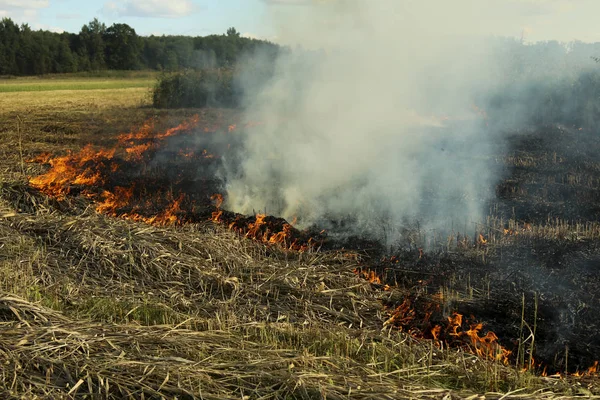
[(112, 308)]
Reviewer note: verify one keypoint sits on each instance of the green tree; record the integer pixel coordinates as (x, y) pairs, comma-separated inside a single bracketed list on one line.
[(153, 52), (9, 44), (123, 47), (65, 62), (91, 45)]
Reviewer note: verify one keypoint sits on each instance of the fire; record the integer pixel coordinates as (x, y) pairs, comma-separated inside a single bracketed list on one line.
[(146, 131), (593, 370), (254, 228), (78, 169), (169, 216), (206, 154), (484, 345), (487, 346), (124, 181), (218, 213), (269, 230), (435, 332), (136, 152), (455, 322), (368, 275), (418, 321), (42, 158), (283, 236), (481, 240), (114, 201)]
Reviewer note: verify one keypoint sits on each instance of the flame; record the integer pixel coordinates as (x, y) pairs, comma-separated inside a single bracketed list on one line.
[(113, 201), (146, 131), (368, 275), (42, 158), (218, 213), (593, 369), (206, 154), (455, 322), (167, 217), (187, 154), (151, 140), (254, 228), (435, 332), (481, 240), (98, 175), (136, 152), (266, 230), (72, 170), (283, 236), (402, 315)]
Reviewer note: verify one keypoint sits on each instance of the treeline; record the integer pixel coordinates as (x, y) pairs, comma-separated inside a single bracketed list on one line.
[(97, 47)]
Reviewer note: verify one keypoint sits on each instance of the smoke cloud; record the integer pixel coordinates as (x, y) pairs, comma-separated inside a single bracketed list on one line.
[(374, 117)]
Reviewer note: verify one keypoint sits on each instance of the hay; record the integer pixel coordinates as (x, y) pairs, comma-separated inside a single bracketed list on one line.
[(111, 308)]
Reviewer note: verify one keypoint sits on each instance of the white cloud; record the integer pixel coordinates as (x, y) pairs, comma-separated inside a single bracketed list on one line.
[(150, 8), (69, 16), (289, 2), (45, 27), (23, 11), (24, 4)]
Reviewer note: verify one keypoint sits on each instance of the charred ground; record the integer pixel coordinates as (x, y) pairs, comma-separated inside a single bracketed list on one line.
[(300, 324)]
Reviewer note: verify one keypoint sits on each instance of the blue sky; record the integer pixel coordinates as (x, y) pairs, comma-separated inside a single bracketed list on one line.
[(186, 17), (563, 20)]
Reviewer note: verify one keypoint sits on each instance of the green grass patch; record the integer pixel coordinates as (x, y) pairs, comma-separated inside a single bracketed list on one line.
[(43, 85)]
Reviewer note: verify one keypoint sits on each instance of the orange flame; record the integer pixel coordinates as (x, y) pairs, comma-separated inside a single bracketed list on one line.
[(481, 240), (71, 170), (368, 275), (91, 169)]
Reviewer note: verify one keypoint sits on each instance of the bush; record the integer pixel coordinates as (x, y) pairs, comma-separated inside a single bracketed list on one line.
[(205, 88)]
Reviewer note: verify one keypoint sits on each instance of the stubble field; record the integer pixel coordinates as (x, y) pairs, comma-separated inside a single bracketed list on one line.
[(95, 306)]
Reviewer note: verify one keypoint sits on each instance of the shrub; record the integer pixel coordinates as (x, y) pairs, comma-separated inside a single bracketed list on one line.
[(204, 88)]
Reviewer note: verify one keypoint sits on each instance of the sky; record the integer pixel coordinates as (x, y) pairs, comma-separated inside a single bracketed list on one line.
[(535, 20)]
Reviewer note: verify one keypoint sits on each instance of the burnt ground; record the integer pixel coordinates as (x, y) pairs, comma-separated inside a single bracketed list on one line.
[(540, 284), (545, 270), (550, 172)]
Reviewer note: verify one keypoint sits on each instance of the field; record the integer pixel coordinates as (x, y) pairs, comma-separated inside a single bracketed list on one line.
[(95, 306), (77, 82)]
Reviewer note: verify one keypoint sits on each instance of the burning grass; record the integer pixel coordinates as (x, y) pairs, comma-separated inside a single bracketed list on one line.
[(119, 308), (179, 306), (146, 176)]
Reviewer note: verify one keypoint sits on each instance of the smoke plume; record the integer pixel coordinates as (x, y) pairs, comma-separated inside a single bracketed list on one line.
[(374, 115)]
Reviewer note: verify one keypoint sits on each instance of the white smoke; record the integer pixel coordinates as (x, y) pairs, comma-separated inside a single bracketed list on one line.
[(372, 121)]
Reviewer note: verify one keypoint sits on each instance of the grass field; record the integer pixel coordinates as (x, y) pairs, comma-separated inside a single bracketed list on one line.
[(73, 84), (99, 307), (108, 80)]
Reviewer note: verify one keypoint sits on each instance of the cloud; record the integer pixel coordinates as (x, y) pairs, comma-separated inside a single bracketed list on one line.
[(45, 27), (22, 10), (69, 16), (289, 2), (150, 8), (23, 4)]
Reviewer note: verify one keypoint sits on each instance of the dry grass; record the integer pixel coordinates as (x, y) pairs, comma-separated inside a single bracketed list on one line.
[(72, 100), (97, 307)]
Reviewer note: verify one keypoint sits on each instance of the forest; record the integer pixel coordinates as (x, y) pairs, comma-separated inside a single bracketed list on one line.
[(97, 47)]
